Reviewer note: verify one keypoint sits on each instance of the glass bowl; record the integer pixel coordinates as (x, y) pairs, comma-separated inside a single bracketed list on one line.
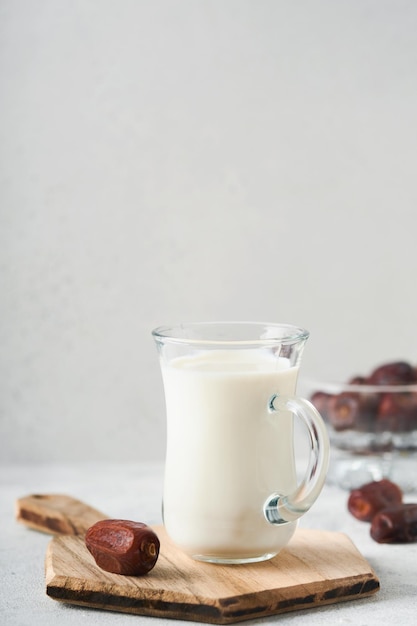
[(372, 430)]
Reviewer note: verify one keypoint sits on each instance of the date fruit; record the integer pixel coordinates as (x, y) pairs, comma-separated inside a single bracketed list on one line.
[(351, 410), (123, 547), (367, 406), (396, 524), (396, 373), (366, 501), (397, 412)]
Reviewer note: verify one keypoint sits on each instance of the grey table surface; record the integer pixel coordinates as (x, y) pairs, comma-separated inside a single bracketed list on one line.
[(134, 491)]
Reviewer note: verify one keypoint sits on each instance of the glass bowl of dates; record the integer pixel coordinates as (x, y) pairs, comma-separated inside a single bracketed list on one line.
[(372, 425)]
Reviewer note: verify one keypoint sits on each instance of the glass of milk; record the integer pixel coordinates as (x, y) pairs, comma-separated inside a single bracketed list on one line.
[(230, 489)]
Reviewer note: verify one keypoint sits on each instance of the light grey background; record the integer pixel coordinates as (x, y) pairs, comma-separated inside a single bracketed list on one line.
[(175, 160)]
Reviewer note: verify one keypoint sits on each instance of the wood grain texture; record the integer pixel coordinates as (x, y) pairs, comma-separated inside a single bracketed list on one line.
[(56, 514), (316, 568)]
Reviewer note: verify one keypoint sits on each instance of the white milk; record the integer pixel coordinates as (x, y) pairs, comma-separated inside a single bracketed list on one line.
[(226, 452)]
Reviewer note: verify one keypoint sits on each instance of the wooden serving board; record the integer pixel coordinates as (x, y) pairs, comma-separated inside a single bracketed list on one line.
[(316, 568)]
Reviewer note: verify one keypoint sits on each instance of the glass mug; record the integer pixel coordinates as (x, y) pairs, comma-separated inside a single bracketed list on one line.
[(230, 487)]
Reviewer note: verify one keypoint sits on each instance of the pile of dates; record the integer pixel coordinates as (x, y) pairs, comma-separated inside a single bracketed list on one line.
[(381, 504), (373, 410)]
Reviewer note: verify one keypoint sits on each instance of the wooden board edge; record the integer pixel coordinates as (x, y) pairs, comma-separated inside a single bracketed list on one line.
[(224, 611), (197, 613), (289, 600)]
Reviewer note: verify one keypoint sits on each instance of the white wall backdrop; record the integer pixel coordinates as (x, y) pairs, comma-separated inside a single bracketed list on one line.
[(176, 160)]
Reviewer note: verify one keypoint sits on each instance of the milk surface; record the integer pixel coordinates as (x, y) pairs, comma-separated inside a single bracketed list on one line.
[(227, 452)]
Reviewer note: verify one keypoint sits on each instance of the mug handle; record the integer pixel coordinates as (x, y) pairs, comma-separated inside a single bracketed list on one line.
[(280, 509)]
